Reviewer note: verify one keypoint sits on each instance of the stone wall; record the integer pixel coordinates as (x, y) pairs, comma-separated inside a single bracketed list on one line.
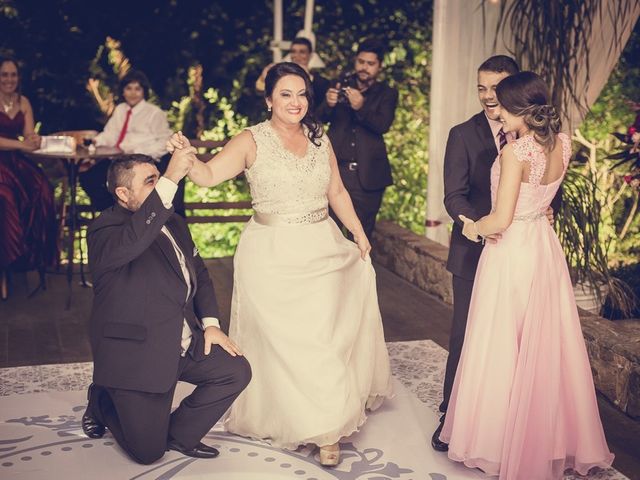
[(415, 258), (614, 351), (614, 347)]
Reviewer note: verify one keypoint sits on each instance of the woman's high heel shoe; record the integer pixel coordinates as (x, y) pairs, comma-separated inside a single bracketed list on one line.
[(330, 455)]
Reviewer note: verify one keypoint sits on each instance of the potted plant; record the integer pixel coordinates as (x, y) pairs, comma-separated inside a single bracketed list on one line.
[(587, 194)]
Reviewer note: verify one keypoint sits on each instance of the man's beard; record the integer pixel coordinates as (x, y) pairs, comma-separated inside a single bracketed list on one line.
[(133, 205), (368, 80)]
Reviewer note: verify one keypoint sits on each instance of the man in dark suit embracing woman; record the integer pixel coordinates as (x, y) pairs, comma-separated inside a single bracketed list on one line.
[(154, 320), (472, 148)]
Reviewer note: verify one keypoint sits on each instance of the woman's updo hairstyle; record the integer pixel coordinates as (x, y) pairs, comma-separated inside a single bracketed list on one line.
[(282, 69), (526, 95)]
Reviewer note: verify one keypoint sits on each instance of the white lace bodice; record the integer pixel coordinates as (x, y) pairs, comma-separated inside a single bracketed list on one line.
[(282, 183), (534, 198)]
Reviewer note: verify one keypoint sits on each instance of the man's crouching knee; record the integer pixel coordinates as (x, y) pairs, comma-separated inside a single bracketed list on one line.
[(146, 455), (242, 373)]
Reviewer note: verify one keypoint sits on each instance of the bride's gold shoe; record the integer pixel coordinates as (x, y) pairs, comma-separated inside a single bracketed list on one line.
[(330, 455)]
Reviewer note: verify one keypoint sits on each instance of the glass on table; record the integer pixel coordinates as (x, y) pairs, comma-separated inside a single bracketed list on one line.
[(88, 139)]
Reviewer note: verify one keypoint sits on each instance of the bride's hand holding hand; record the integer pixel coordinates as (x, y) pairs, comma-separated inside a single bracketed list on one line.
[(177, 142), (181, 163)]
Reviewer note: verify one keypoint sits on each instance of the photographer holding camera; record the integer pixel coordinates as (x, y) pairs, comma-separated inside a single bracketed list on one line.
[(360, 110)]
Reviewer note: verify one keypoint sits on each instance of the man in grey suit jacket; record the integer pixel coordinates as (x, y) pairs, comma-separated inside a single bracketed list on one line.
[(154, 321), (472, 148)]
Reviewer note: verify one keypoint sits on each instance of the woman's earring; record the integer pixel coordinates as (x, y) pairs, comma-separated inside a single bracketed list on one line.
[(269, 108)]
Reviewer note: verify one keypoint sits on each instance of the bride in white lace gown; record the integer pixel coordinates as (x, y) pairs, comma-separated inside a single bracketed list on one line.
[(305, 309)]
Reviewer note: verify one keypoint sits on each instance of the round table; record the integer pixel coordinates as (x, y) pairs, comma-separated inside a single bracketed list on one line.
[(72, 162)]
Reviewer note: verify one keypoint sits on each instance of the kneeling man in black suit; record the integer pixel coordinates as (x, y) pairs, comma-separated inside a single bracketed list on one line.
[(154, 320)]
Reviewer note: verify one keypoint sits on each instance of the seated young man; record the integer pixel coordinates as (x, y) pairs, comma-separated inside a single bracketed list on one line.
[(136, 126)]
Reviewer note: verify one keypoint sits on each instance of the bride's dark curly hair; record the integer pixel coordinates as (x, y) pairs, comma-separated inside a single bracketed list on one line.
[(279, 70), (526, 95)]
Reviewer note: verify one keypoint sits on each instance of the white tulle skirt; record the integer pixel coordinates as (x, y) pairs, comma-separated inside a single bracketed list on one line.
[(305, 314)]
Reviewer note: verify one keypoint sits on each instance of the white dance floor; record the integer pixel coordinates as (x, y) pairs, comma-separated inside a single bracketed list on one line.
[(41, 437)]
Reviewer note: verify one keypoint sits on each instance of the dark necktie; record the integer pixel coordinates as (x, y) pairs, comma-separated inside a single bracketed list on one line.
[(502, 138)]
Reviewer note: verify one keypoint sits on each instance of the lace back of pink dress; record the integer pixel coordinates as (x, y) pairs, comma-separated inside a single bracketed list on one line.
[(528, 150), (534, 197)]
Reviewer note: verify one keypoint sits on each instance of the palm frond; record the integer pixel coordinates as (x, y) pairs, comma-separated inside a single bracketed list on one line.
[(623, 137), (578, 227), (553, 38)]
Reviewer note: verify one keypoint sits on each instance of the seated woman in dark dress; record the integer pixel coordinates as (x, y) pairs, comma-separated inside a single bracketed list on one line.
[(27, 214)]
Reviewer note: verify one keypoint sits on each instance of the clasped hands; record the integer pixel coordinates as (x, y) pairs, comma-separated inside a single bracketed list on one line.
[(470, 229), (183, 158), (30, 142)]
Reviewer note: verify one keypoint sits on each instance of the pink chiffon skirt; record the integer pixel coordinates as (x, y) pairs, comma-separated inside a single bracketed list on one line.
[(523, 404)]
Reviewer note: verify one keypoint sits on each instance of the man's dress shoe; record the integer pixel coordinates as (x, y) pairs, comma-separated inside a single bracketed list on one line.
[(91, 427), (199, 451), (437, 444)]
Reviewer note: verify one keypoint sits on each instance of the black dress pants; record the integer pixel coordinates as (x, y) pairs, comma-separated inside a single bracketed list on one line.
[(365, 202), (94, 183), (142, 423), (462, 289)]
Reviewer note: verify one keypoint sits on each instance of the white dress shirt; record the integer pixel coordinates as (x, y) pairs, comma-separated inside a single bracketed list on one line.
[(166, 190), (147, 130)]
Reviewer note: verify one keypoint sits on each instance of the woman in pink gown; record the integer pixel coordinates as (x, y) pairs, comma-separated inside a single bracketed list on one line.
[(523, 404)]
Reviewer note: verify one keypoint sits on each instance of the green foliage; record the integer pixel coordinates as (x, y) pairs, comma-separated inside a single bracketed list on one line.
[(599, 224), (61, 44), (407, 142), (406, 28), (339, 28), (612, 112), (56, 42), (220, 239)]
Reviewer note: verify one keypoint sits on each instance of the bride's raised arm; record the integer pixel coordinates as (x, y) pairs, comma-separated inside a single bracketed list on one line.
[(227, 164)]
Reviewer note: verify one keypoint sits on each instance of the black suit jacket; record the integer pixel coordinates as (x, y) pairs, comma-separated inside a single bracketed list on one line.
[(471, 150), (356, 136), (320, 85), (140, 297)]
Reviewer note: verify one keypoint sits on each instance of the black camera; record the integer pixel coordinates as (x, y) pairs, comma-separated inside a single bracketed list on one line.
[(347, 80)]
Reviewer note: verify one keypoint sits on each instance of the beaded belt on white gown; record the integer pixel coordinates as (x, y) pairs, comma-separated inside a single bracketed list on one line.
[(280, 220)]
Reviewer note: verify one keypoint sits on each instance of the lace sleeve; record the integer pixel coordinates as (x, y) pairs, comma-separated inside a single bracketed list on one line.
[(528, 150), (522, 149), (566, 149)]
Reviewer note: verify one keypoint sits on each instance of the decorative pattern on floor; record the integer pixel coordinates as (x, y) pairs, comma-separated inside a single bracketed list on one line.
[(41, 436)]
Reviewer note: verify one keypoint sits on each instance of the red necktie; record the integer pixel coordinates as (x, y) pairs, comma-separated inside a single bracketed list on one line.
[(123, 132), (502, 139)]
